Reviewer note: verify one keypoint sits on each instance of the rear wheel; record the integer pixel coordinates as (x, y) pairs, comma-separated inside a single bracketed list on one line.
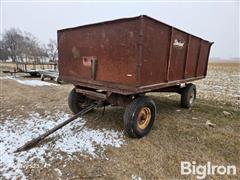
[(188, 96), (77, 101), (57, 79), (139, 117)]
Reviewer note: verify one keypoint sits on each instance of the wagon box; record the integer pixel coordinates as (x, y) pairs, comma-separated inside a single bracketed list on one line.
[(118, 61)]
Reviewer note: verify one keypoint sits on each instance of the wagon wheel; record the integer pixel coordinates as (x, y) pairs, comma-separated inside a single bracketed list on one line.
[(77, 101), (188, 96), (58, 80), (42, 77), (139, 117)]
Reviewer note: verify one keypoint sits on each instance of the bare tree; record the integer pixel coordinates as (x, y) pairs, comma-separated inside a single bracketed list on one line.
[(3, 52), (20, 46), (13, 40), (31, 47), (52, 50)]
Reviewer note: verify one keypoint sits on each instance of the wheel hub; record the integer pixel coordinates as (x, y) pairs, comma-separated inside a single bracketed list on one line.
[(144, 117)]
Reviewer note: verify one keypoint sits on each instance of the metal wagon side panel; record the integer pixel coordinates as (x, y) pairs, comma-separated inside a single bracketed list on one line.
[(156, 42), (177, 55), (192, 56), (113, 44), (131, 55), (170, 56)]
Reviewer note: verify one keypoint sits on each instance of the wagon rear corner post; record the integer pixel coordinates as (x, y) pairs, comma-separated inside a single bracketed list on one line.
[(118, 61)]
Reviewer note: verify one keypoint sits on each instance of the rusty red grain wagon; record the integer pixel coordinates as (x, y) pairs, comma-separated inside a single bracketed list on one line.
[(118, 61)]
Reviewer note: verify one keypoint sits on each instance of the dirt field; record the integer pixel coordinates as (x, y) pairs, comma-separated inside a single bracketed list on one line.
[(95, 147)]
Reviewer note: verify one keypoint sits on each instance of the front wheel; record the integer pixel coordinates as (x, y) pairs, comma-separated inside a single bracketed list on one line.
[(188, 96), (77, 101), (139, 117)]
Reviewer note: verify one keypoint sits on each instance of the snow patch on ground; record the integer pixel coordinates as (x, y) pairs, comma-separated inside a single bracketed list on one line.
[(136, 177), (4, 77), (220, 84), (31, 82), (73, 138)]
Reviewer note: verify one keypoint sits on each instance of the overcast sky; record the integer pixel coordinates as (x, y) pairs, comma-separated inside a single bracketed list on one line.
[(214, 21)]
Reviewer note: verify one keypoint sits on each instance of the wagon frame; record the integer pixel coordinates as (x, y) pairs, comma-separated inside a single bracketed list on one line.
[(148, 56)]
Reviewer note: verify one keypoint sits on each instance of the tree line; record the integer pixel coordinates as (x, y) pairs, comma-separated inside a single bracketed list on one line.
[(24, 47)]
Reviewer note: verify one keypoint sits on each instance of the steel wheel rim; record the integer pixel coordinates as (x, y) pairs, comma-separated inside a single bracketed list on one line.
[(144, 117)]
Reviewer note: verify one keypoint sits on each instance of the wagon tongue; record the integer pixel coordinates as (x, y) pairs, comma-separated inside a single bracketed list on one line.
[(34, 142)]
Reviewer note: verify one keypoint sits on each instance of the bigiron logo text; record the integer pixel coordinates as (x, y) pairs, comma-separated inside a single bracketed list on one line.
[(208, 169)]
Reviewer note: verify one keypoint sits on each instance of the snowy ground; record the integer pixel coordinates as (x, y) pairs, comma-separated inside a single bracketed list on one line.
[(31, 82), (74, 138), (222, 83)]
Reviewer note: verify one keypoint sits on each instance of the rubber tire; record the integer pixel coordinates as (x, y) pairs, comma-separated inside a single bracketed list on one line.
[(185, 95), (34, 74), (74, 101), (131, 114)]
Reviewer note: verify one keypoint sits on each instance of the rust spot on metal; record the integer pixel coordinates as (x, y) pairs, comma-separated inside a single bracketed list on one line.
[(87, 61), (75, 53)]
